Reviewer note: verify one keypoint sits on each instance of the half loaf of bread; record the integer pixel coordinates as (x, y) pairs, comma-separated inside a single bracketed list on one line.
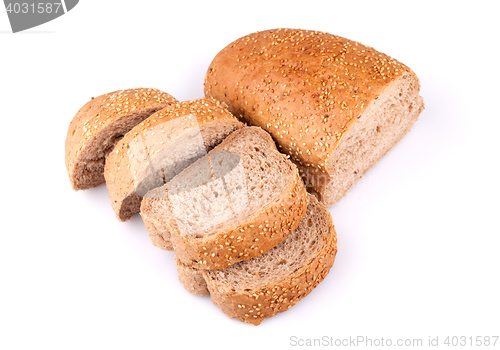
[(160, 147), (239, 201), (268, 284), (100, 124), (334, 105)]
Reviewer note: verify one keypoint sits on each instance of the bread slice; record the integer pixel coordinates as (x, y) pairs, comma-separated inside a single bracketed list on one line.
[(268, 284), (157, 149), (334, 105), (237, 202), (100, 124)]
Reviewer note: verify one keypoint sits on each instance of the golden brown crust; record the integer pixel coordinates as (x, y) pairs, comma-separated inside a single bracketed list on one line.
[(304, 87), (118, 173), (254, 306), (250, 238), (96, 119)]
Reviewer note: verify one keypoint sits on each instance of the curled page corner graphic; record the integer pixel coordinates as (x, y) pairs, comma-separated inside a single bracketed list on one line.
[(26, 14)]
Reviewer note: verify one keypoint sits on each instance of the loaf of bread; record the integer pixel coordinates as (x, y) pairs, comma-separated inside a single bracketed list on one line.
[(273, 282), (230, 199), (239, 201), (160, 147), (334, 105), (100, 124)]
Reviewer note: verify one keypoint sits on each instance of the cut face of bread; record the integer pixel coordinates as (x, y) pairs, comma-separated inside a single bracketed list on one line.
[(333, 105), (237, 202), (100, 124), (266, 285), (160, 147), (209, 193), (384, 122)]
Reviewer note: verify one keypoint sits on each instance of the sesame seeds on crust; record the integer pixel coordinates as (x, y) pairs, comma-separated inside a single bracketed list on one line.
[(254, 302), (306, 88), (251, 238), (99, 124), (246, 236)]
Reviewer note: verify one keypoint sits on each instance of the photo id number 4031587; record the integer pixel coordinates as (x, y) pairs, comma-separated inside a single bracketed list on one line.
[(47, 7), (471, 341)]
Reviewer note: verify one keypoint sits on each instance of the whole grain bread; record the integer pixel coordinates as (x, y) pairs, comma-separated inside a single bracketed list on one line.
[(334, 105), (273, 282), (160, 147), (239, 201), (100, 124)]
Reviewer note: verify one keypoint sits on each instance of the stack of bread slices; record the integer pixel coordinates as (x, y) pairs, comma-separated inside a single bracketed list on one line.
[(236, 183)]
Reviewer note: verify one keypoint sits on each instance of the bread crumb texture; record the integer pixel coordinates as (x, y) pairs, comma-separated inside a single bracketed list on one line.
[(265, 188), (100, 124), (159, 147)]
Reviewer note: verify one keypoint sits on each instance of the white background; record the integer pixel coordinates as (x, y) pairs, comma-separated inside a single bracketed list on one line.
[(419, 241)]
